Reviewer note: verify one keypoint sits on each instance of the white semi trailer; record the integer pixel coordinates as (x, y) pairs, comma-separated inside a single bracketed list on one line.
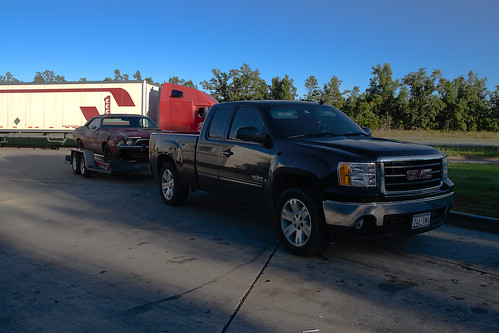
[(51, 111)]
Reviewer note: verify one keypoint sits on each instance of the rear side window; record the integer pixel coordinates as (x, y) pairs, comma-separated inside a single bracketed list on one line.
[(217, 124)]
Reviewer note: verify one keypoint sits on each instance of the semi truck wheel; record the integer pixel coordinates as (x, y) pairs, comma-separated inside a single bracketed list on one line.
[(300, 222), (172, 192), (75, 163)]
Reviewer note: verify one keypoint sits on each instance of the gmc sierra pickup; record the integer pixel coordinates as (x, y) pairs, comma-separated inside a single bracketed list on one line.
[(324, 176)]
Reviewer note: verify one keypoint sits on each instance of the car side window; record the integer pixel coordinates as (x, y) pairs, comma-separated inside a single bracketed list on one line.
[(94, 124), (217, 124), (246, 116)]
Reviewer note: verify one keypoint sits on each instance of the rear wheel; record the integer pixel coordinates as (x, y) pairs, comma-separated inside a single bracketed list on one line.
[(172, 192), (301, 223), (85, 173)]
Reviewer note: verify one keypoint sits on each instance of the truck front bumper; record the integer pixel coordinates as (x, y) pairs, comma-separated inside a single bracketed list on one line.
[(394, 217)]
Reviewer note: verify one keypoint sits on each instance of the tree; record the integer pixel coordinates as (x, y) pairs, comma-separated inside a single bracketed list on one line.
[(282, 89), (381, 94), (8, 78), (218, 86), (247, 84), (137, 76), (182, 82), (117, 75), (331, 93), (83, 79), (48, 76), (313, 91), (423, 105), (493, 123)]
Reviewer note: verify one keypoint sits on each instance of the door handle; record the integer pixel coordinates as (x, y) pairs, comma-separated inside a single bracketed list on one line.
[(227, 152)]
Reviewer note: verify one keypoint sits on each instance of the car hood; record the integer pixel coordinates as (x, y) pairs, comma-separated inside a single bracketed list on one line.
[(133, 132), (368, 147)]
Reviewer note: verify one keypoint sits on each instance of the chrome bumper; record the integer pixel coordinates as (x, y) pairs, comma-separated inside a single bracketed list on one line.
[(345, 214)]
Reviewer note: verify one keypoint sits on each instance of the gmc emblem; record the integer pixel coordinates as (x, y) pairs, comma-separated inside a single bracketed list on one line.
[(419, 174)]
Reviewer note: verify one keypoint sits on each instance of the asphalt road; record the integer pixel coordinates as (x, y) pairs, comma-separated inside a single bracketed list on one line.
[(106, 255)]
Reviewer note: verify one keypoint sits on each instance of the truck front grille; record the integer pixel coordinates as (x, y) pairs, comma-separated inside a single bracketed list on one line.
[(412, 175)]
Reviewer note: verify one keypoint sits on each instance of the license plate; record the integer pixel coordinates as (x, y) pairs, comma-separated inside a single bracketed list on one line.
[(421, 220)]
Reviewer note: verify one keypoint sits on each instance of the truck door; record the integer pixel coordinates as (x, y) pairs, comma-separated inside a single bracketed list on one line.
[(208, 150), (244, 165)]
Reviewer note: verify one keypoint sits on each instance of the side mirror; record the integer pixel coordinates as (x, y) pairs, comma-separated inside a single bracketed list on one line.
[(203, 112), (368, 131), (251, 134)]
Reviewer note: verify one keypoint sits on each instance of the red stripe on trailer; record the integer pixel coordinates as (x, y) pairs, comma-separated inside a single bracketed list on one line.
[(121, 96), (89, 112)]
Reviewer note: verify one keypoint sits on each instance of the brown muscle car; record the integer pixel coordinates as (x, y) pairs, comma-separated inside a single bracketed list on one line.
[(117, 136)]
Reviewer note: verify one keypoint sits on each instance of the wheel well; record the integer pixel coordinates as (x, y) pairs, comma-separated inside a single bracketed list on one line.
[(289, 180), (162, 159)]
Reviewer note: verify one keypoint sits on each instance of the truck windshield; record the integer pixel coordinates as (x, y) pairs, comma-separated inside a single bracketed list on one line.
[(312, 120)]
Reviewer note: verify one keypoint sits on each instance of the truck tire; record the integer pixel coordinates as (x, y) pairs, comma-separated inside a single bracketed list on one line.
[(75, 163), (172, 192), (85, 173), (300, 222)]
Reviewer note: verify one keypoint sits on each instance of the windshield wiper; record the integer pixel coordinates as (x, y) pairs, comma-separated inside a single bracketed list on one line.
[(354, 134), (311, 135)]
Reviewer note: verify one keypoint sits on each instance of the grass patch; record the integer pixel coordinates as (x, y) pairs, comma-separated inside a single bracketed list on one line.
[(420, 134), (476, 188), (480, 151)]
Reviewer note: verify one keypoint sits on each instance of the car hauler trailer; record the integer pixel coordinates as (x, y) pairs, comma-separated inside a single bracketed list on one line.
[(84, 162), (45, 114)]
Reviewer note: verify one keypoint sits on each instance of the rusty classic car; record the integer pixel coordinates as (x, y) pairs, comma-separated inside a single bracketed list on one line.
[(117, 136)]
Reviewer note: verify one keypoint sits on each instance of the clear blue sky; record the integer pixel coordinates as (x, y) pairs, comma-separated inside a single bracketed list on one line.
[(188, 38)]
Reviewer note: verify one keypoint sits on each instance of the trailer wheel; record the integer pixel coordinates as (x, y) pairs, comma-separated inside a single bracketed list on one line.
[(85, 173), (172, 192), (300, 222), (75, 163)]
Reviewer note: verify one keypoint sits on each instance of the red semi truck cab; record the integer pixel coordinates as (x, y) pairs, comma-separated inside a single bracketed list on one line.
[(183, 109)]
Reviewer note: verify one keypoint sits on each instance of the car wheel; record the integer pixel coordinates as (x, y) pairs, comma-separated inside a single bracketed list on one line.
[(301, 223), (85, 173), (75, 163), (172, 192), (108, 157)]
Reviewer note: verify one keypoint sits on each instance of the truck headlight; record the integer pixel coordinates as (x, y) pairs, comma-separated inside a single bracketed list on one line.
[(445, 168), (357, 174), (130, 142)]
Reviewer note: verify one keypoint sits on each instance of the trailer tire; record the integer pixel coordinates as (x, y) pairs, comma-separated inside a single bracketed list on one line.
[(75, 163), (172, 192), (85, 173)]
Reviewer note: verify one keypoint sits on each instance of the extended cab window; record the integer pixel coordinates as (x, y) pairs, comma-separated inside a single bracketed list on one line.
[(246, 116), (217, 124)]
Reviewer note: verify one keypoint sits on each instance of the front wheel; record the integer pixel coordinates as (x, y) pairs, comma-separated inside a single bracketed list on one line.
[(75, 163), (172, 192), (301, 223)]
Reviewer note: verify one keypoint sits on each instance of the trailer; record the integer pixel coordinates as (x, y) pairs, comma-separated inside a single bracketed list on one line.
[(38, 114), (85, 162)]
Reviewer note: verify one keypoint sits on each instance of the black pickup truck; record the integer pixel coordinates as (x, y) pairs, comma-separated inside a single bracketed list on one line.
[(324, 176)]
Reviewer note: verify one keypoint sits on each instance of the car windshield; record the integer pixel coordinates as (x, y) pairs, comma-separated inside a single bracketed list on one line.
[(134, 122), (312, 120)]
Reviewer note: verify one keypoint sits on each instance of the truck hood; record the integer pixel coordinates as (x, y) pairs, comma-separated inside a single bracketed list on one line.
[(367, 147)]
